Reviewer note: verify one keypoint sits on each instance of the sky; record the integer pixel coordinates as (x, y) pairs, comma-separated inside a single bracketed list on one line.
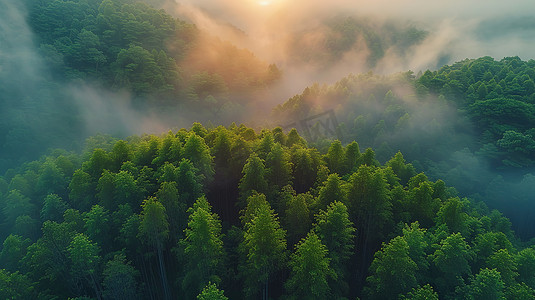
[(459, 29)]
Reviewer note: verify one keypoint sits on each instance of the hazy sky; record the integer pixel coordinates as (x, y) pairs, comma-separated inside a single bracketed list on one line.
[(460, 29)]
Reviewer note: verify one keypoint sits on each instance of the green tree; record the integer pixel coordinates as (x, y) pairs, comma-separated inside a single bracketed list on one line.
[(106, 190), (486, 244), (51, 180), (16, 286), (526, 266), (253, 204), (169, 151), (337, 233), (27, 226), (53, 208), (154, 231), (175, 209), (203, 248), (136, 69), (504, 262), (13, 250), (295, 139), (335, 157), (126, 190), (330, 192), (98, 226), (98, 161), (189, 182), (120, 153), (81, 190), (403, 170), (253, 178), (211, 292), (198, 153), (368, 158), (487, 284), (422, 205), (452, 259), (352, 156), (519, 291), (393, 271), (119, 282), (265, 247), (84, 262), (306, 164), (222, 154), (279, 136), (425, 292), (418, 248), (16, 204), (147, 151), (369, 204), (452, 214), (241, 151), (265, 144), (310, 270), (297, 218), (279, 172), (167, 173)]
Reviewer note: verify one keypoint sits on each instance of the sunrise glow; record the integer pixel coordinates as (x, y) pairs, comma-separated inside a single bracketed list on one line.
[(264, 3)]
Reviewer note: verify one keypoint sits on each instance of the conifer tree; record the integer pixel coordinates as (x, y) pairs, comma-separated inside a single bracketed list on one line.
[(310, 270), (198, 153), (154, 231), (393, 271), (335, 157), (337, 233), (211, 292), (265, 247), (330, 192), (279, 168), (297, 218), (174, 208), (352, 156), (253, 178), (202, 248)]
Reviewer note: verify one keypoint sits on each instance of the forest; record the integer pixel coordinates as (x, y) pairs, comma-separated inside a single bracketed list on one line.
[(230, 212), (135, 163), (471, 124)]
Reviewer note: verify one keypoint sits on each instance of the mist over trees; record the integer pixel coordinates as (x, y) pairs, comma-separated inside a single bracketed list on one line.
[(77, 68), (470, 123), (424, 190)]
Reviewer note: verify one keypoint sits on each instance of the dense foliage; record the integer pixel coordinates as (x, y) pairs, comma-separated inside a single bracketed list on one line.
[(232, 212), (471, 124)]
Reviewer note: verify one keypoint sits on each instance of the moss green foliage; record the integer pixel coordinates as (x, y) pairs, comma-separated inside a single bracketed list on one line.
[(471, 124), (378, 231)]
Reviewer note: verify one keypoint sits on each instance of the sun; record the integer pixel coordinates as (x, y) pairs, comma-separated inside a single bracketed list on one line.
[(264, 2)]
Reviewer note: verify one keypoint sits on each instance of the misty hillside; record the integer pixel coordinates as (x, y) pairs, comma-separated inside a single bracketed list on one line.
[(373, 160), (242, 213), (328, 43), (471, 123), (128, 44), (73, 68)]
